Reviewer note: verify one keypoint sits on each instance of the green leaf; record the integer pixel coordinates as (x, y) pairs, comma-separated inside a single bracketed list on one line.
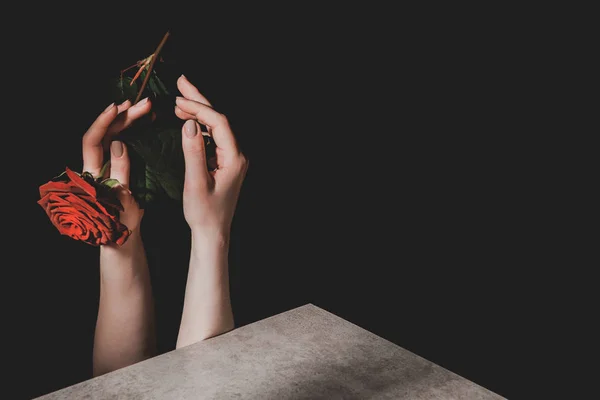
[(157, 163), (125, 90), (110, 182), (172, 185), (61, 177), (86, 175), (156, 85), (151, 183), (159, 83), (104, 168)]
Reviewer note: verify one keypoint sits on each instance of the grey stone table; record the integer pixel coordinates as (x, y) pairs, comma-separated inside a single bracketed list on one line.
[(304, 353)]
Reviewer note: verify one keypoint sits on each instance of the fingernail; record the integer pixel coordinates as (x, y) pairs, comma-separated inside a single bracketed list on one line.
[(116, 147), (109, 107), (141, 102), (183, 76), (190, 128), (125, 102)]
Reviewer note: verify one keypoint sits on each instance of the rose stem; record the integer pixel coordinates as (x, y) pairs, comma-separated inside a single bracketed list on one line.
[(154, 58)]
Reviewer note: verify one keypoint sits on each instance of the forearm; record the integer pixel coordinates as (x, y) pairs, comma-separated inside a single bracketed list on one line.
[(207, 306), (125, 325)]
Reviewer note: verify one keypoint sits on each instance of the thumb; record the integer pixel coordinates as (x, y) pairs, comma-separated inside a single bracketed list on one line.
[(196, 172), (119, 163)]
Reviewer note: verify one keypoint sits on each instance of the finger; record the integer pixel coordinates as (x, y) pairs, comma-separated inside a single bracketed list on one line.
[(183, 115), (124, 106), (196, 173), (119, 163), (190, 91), (92, 140), (130, 206), (221, 132), (126, 118)]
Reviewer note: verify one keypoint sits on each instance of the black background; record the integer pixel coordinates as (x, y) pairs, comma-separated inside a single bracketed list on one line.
[(382, 186)]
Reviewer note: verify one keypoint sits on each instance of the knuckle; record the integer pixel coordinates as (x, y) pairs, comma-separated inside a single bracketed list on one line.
[(222, 119), (242, 162)]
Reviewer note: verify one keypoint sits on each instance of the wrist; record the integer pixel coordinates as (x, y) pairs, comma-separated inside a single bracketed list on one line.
[(125, 261), (209, 240), (212, 236), (132, 244)]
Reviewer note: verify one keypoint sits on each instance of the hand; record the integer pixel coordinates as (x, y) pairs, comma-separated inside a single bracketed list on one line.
[(98, 137), (125, 288), (209, 197)]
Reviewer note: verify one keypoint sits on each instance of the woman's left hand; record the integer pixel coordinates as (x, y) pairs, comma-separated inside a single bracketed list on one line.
[(100, 136)]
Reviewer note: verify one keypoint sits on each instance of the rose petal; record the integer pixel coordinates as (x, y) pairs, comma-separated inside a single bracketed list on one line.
[(60, 187), (79, 181)]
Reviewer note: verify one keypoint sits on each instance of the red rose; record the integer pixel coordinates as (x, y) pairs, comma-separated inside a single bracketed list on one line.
[(83, 208)]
